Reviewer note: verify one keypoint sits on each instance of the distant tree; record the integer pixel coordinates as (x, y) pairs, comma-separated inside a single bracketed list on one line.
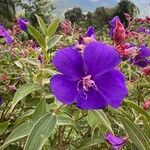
[(89, 18), (75, 15), (7, 11), (101, 17), (125, 6), (43, 8)]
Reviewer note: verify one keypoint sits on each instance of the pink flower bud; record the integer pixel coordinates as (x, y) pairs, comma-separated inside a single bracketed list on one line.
[(12, 88), (146, 71), (119, 33), (146, 105)]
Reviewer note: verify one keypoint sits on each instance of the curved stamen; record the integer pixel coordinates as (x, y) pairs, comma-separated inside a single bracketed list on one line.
[(87, 83)]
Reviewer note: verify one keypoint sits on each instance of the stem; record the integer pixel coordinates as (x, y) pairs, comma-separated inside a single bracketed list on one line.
[(61, 130)]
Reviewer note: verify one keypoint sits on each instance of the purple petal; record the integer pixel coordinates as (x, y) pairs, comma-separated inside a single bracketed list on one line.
[(145, 51), (113, 88), (64, 89), (90, 32), (112, 24), (100, 58), (113, 21), (9, 40), (91, 99), (22, 22), (115, 141), (69, 62), (0, 100)]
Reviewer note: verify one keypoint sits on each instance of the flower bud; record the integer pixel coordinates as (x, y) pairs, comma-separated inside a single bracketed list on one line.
[(146, 105)]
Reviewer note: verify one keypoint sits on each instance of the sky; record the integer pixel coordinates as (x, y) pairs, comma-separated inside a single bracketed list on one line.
[(90, 5)]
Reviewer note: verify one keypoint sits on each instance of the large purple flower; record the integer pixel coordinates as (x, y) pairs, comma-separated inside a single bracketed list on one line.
[(112, 24), (23, 23), (115, 141), (142, 58), (4, 33), (89, 80)]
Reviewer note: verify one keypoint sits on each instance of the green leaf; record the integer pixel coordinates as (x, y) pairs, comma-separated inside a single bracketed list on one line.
[(66, 121), (88, 143), (31, 61), (53, 41), (23, 91), (40, 132), (92, 119), (3, 127), (37, 35), (136, 135), (52, 28), (40, 110), (42, 24), (20, 132), (103, 119), (138, 109)]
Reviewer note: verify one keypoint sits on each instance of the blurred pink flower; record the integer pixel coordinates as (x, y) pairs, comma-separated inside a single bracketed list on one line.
[(66, 27)]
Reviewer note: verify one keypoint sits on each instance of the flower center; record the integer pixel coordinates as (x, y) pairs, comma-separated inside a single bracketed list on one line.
[(87, 83)]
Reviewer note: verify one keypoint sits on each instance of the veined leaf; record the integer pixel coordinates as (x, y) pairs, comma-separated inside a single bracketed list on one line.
[(103, 119), (37, 35), (40, 110), (20, 132), (53, 41), (63, 120), (52, 28), (136, 135), (23, 91), (42, 24), (138, 109), (40, 132)]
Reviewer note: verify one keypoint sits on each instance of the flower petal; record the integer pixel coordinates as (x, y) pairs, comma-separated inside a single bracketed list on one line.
[(113, 88), (116, 141), (145, 51), (64, 89), (9, 40), (90, 32), (1, 100), (69, 62), (100, 58), (91, 99)]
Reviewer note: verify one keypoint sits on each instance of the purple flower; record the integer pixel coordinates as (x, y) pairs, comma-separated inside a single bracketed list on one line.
[(112, 24), (0, 100), (142, 59), (144, 30), (4, 33), (89, 80), (23, 23), (90, 32), (115, 141)]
